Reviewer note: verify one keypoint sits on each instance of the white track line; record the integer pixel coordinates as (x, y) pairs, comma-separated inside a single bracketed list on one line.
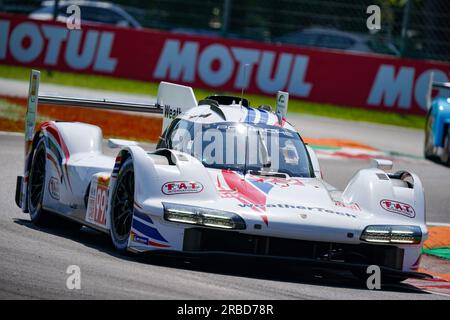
[(438, 224)]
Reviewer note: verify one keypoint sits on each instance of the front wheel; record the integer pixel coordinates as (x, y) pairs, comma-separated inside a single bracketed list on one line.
[(122, 202)]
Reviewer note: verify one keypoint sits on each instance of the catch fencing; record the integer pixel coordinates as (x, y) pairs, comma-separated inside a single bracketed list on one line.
[(372, 81)]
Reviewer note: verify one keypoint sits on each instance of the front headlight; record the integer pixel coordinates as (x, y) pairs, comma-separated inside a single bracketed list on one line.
[(202, 216), (392, 234)]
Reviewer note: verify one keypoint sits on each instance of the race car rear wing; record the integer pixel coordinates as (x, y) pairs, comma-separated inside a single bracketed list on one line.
[(34, 99), (443, 89), (172, 99), (100, 104)]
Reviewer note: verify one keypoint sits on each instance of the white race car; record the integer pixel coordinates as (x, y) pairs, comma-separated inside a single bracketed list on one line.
[(224, 178)]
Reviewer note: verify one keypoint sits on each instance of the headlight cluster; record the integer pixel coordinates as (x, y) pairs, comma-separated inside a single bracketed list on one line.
[(202, 216), (392, 234)]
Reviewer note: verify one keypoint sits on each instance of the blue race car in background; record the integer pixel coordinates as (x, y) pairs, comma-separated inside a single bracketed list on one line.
[(437, 128)]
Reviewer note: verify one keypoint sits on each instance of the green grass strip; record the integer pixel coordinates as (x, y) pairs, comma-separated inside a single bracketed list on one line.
[(438, 252), (319, 147)]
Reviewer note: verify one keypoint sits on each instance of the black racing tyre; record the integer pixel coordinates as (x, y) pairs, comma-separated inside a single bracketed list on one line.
[(122, 202), (445, 158), (36, 187), (428, 145)]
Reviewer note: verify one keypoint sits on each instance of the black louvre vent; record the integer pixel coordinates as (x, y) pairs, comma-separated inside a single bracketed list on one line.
[(210, 240)]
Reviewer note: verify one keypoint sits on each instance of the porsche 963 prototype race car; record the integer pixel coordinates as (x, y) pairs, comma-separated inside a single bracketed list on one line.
[(225, 178), (437, 129)]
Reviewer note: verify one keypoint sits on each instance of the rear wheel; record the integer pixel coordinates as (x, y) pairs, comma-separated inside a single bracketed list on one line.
[(36, 186), (122, 202), (36, 189)]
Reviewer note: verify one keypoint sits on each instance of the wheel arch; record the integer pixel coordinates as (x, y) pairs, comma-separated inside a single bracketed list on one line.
[(143, 168), (369, 187)]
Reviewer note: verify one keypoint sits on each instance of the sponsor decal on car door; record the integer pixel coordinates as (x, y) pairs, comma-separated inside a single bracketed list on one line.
[(98, 200)]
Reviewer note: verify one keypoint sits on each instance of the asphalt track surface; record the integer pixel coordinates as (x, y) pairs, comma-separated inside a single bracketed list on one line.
[(34, 260)]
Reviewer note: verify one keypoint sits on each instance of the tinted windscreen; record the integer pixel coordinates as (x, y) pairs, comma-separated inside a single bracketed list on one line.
[(242, 147)]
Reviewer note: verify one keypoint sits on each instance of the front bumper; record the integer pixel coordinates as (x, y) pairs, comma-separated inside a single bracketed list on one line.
[(207, 241)]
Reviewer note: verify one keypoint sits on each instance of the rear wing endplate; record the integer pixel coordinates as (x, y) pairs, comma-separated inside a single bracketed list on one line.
[(282, 105), (176, 99)]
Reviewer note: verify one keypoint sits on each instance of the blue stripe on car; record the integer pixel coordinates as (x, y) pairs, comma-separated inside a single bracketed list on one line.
[(264, 116), (142, 216), (250, 115), (148, 231)]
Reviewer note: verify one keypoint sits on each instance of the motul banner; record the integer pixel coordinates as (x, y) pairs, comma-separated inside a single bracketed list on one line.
[(327, 76)]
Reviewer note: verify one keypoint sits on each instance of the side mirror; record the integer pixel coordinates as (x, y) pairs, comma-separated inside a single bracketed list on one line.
[(382, 164)]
